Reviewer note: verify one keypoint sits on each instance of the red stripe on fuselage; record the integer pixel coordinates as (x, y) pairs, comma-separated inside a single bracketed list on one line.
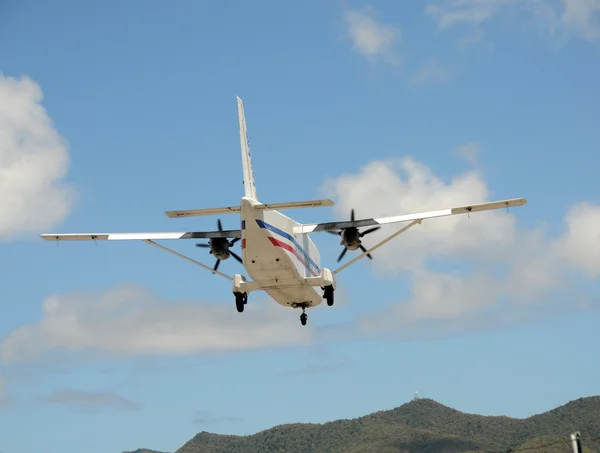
[(287, 247)]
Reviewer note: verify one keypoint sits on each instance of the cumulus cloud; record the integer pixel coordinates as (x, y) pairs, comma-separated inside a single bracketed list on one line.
[(129, 320), (580, 18), (89, 401), (581, 243), (34, 159), (502, 272), (370, 37), (385, 188)]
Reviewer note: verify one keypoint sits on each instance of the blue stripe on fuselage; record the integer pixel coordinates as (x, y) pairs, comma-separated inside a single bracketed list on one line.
[(307, 258)]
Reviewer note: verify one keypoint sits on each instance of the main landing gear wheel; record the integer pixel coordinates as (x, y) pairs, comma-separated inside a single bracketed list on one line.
[(241, 299), (328, 295), (303, 317)]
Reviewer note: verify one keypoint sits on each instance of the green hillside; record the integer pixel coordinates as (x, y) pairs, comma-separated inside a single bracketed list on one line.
[(421, 426)]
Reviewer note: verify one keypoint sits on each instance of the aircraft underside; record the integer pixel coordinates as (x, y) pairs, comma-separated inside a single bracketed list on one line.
[(284, 265)]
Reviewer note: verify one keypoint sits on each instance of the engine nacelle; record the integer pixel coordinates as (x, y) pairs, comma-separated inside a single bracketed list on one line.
[(350, 238)]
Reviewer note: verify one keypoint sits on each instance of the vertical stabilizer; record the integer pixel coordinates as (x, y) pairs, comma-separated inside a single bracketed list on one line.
[(249, 187)]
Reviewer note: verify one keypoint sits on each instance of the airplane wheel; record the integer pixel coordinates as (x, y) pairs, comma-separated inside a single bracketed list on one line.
[(329, 299), (328, 295), (240, 301), (303, 318)]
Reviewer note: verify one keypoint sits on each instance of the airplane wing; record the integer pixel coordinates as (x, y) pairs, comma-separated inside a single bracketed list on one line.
[(140, 236), (332, 226)]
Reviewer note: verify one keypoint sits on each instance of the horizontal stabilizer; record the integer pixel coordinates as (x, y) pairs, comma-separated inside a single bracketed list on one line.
[(201, 212), (332, 226), (295, 205), (141, 236), (234, 209)]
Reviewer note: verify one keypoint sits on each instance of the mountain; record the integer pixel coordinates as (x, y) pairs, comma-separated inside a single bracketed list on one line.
[(421, 426)]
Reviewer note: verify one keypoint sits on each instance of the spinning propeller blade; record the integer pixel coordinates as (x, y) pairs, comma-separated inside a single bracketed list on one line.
[(364, 250), (236, 256), (370, 230)]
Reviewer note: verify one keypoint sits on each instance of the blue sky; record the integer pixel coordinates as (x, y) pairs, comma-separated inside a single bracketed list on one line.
[(113, 112)]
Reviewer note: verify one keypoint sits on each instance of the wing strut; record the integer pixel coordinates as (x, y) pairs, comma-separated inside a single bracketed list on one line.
[(151, 242), (389, 238)]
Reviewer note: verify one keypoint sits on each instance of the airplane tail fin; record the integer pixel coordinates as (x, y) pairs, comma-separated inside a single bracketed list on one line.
[(249, 186)]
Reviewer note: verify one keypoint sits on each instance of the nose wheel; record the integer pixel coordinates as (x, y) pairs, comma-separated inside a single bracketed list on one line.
[(303, 317), (303, 306)]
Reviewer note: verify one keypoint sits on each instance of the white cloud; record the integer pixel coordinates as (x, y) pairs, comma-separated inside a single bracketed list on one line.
[(431, 72), (555, 18), (583, 16), (33, 160), (581, 243), (469, 152), (450, 13), (519, 273), (89, 401), (129, 320), (370, 37), (385, 188), (313, 369)]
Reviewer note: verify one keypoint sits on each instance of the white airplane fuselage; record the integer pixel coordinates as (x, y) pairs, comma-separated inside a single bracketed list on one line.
[(276, 258)]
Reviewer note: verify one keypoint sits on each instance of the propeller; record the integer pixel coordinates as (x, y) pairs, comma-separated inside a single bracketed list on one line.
[(351, 238), (220, 247)]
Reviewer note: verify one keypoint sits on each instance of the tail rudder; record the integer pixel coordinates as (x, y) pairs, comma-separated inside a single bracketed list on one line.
[(249, 186)]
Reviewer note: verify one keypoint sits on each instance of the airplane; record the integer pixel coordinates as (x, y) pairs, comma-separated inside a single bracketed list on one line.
[(277, 252)]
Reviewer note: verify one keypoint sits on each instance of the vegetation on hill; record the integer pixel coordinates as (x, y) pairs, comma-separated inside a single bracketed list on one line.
[(421, 426)]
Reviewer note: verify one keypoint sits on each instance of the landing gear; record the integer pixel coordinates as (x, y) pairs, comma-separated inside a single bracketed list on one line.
[(303, 317), (328, 294), (241, 299)]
